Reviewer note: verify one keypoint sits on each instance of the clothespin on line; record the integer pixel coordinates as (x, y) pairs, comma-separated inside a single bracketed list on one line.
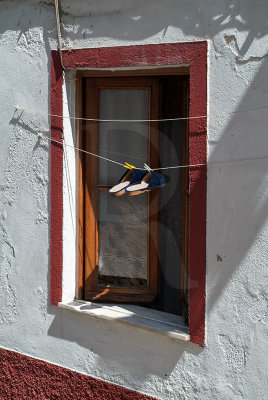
[(129, 166), (146, 166)]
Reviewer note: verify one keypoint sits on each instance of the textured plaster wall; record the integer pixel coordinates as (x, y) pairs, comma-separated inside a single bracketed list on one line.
[(233, 365)]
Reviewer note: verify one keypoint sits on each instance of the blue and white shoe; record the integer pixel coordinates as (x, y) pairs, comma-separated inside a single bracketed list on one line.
[(151, 180), (131, 177)]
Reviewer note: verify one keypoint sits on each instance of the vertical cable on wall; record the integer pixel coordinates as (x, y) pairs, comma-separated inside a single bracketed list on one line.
[(58, 30)]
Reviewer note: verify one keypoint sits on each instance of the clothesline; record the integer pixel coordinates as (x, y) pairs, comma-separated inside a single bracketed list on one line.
[(41, 136), (154, 169), (141, 120), (127, 120)]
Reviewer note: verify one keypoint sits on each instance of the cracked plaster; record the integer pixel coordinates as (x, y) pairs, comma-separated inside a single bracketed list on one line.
[(245, 67)]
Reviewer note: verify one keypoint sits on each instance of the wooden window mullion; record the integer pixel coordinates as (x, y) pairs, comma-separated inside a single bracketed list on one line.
[(92, 291)]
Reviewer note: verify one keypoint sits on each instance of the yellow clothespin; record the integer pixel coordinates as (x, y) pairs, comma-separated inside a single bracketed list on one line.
[(129, 166)]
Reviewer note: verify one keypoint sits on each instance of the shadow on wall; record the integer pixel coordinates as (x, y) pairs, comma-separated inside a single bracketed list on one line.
[(119, 345), (238, 204), (134, 20), (237, 207)]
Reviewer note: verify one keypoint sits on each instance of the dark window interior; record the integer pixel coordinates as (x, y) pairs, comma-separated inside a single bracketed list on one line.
[(122, 251)]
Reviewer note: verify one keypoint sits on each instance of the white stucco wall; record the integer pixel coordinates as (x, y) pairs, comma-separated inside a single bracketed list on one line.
[(233, 365)]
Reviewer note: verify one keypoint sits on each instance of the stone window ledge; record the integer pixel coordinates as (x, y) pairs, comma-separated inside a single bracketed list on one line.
[(166, 324)]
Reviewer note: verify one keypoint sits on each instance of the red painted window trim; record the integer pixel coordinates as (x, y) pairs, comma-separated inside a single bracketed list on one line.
[(191, 53)]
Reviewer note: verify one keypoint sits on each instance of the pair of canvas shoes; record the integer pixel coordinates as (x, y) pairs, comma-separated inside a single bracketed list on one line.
[(136, 181)]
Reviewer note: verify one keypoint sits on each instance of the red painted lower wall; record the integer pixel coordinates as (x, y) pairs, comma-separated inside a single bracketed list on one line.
[(23, 377)]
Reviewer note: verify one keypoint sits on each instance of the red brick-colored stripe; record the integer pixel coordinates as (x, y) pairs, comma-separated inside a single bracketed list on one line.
[(56, 193), (25, 378)]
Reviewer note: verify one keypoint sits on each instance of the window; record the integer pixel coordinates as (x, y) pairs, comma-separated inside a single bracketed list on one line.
[(134, 249), (186, 58)]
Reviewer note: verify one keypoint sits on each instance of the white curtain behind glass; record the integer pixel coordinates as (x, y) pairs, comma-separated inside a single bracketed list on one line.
[(122, 221)]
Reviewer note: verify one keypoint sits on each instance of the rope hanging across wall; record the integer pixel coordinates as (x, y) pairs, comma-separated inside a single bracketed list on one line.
[(64, 144)]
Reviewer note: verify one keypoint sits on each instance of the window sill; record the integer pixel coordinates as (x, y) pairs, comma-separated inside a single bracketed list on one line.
[(166, 324)]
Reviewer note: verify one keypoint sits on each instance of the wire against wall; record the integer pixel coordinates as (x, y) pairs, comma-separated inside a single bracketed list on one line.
[(58, 31), (141, 120), (40, 136)]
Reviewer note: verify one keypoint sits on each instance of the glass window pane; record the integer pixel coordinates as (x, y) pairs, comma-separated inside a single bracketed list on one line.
[(170, 219), (122, 240), (122, 141)]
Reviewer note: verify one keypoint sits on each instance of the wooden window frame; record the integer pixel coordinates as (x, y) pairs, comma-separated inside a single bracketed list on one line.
[(88, 195), (87, 178)]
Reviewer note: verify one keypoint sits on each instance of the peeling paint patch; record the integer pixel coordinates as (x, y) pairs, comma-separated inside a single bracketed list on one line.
[(47, 3), (31, 41), (39, 183), (231, 42), (234, 354), (8, 297), (246, 68), (41, 298), (17, 166), (8, 300), (258, 311), (32, 166)]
